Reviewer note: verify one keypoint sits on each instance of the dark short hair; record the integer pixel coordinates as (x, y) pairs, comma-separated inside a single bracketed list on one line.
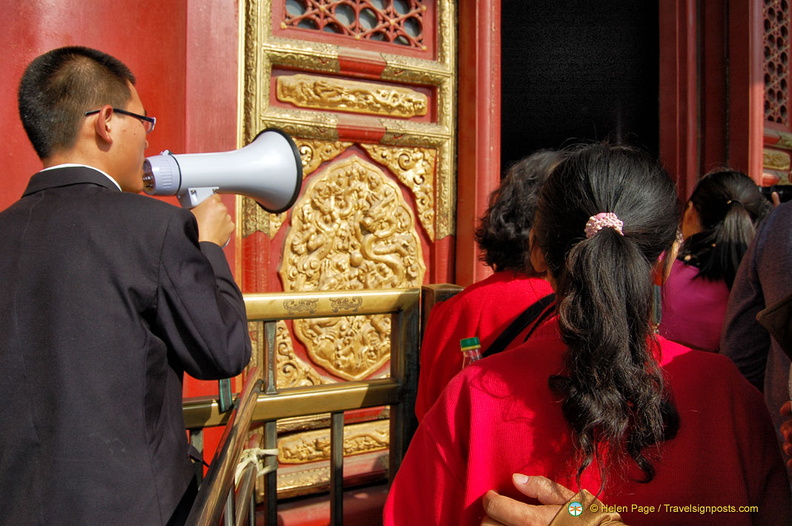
[(59, 86), (502, 234)]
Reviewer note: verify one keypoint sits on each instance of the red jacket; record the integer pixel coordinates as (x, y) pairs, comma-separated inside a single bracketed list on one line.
[(483, 309), (499, 417)]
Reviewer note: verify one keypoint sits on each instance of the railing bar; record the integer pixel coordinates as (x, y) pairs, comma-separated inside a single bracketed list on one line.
[(398, 372), (270, 359), (244, 493), (271, 478), (228, 516), (204, 412), (397, 391), (304, 305), (337, 469), (207, 507), (196, 441), (225, 395), (404, 369)]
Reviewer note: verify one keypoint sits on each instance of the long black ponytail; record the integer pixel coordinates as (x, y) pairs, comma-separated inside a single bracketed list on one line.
[(614, 395), (729, 206)]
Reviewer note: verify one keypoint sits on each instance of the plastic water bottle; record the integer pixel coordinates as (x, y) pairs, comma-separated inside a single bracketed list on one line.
[(471, 350)]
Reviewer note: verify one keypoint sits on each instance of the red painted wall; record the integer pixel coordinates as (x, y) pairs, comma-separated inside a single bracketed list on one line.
[(184, 54), (121, 28), (478, 146)]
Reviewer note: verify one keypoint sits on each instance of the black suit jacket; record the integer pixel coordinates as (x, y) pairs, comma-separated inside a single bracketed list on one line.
[(106, 298)]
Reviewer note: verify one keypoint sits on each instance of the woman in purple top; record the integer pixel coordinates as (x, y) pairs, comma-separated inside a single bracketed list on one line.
[(718, 224)]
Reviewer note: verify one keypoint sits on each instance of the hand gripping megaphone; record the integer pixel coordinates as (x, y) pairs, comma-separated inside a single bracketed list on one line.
[(269, 170)]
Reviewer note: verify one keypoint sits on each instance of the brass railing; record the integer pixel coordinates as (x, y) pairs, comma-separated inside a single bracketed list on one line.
[(397, 391), (216, 487)]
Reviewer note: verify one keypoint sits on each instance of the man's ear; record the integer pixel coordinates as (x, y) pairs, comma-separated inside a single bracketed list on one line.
[(102, 123)]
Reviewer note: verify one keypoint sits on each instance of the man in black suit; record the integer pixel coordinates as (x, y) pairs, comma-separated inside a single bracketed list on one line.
[(106, 299)]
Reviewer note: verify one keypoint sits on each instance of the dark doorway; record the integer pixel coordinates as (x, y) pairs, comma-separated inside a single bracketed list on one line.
[(578, 70)]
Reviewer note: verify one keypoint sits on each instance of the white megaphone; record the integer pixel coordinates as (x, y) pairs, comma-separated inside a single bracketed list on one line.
[(269, 170)]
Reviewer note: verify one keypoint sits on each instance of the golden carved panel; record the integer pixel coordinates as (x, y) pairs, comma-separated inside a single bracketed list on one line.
[(255, 219), (785, 140), (324, 93), (775, 160), (351, 230), (292, 371), (415, 168), (312, 446), (300, 479)]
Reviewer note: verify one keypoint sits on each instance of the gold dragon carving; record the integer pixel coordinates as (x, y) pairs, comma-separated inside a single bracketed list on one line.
[(351, 230), (414, 166), (315, 445), (326, 93)]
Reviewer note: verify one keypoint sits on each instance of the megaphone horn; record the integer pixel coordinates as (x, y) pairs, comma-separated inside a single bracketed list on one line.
[(269, 170)]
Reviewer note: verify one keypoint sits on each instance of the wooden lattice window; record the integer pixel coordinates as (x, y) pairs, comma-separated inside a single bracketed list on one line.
[(776, 61), (389, 21)]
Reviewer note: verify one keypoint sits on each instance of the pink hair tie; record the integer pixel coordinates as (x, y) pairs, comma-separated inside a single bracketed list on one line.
[(603, 220)]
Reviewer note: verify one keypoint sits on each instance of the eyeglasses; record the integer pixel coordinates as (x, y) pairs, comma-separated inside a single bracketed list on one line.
[(147, 122)]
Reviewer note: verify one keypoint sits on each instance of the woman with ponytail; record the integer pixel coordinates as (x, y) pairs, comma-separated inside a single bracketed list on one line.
[(593, 399), (718, 224)]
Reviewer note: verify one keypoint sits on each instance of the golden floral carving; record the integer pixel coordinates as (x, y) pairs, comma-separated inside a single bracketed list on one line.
[(325, 93), (316, 152), (351, 230), (293, 482), (313, 446), (292, 371), (415, 167)]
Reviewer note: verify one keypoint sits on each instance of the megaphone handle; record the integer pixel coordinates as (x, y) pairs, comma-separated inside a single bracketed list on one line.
[(193, 197)]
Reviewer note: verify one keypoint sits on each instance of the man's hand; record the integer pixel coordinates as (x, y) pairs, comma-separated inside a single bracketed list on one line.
[(214, 222), (503, 511)]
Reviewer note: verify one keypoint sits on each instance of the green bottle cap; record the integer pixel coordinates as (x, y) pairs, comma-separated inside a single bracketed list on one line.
[(467, 344)]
